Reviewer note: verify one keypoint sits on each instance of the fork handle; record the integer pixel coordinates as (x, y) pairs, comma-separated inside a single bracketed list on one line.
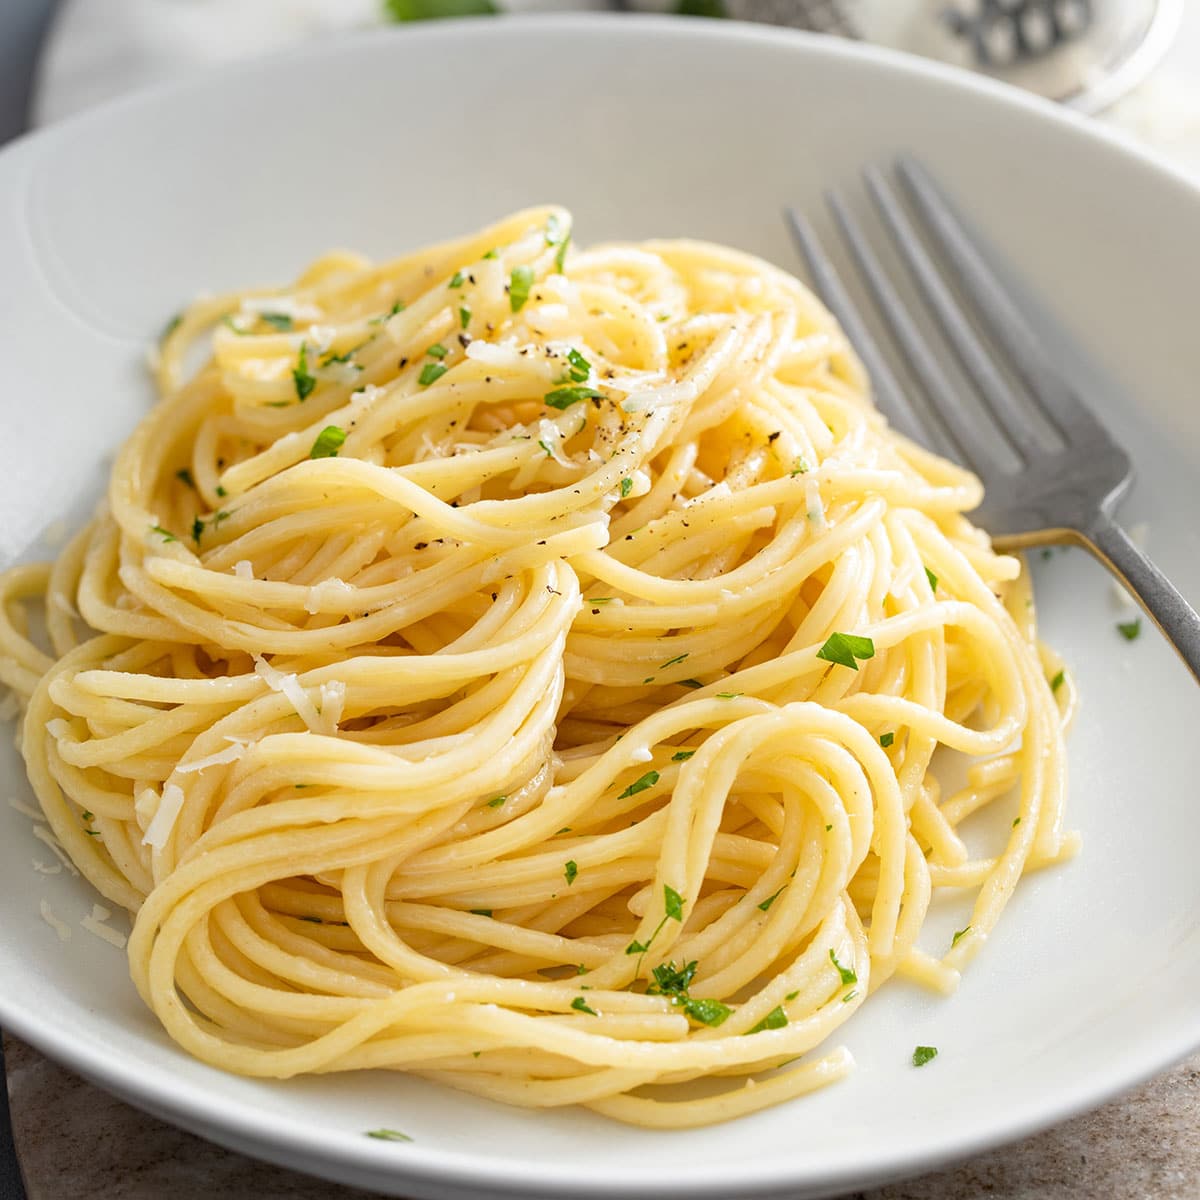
[(1163, 603)]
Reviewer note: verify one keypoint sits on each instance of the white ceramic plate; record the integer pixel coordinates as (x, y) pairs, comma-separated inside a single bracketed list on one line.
[(642, 127)]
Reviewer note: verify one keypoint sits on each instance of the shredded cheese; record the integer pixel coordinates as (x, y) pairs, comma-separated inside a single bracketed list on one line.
[(228, 755), (94, 924), (60, 927), (167, 813), (289, 686), (43, 834)]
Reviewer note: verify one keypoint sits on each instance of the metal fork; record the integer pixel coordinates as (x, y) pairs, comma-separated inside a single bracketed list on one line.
[(1060, 485)]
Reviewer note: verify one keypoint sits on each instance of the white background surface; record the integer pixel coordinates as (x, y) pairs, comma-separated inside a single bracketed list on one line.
[(1090, 980), (101, 48)]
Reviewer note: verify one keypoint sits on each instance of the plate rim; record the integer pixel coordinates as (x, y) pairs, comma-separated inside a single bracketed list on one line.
[(258, 1132)]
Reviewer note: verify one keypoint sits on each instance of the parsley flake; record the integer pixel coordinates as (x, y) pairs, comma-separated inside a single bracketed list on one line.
[(845, 648), (847, 973), (706, 1012), (280, 321), (766, 904), (626, 487), (1058, 681), (579, 1004), (165, 534), (886, 739), (960, 933), (570, 871), (673, 901), (437, 350), (457, 280), (304, 381), (185, 477), (923, 1054), (682, 755), (496, 801), (431, 373), (580, 367), (388, 1135), (775, 1019), (519, 284), (329, 441), (563, 397), (640, 785), (1130, 629), (482, 912), (933, 579), (464, 317), (549, 452)]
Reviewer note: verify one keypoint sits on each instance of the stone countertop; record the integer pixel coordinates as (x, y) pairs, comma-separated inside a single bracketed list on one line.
[(77, 1142)]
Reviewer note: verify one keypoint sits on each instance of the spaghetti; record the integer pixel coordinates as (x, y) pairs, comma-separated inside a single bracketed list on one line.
[(522, 667)]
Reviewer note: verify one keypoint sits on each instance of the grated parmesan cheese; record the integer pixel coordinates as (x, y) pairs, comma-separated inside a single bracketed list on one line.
[(165, 816), (287, 306), (228, 755), (43, 834), (243, 569), (328, 596), (333, 703), (642, 755), (289, 686), (44, 869), (490, 354), (94, 924), (60, 927), (34, 814)]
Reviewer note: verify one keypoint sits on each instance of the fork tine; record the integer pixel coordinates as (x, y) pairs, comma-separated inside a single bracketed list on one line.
[(889, 396), (957, 433), (1000, 315), (995, 394)]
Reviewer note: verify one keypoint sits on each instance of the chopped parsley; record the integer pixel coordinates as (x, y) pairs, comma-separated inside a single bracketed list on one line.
[(1016, 822), (580, 368), (496, 801), (304, 381), (549, 452), (494, 252), (437, 350), (570, 871), (431, 373), (766, 904), (682, 755), (579, 1004), (329, 441), (1130, 629), (933, 579), (845, 648), (482, 912), (1058, 681), (564, 397), (671, 982), (847, 973), (728, 695), (800, 468), (399, 306), (923, 1054), (457, 280), (165, 534), (519, 284), (886, 739), (671, 662), (707, 1012), (640, 785), (775, 1019), (690, 683), (280, 321), (464, 317), (673, 901), (960, 933), (626, 487), (170, 327), (185, 477), (197, 529), (388, 1135)]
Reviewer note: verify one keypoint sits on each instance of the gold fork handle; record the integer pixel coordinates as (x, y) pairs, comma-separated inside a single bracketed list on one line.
[(1157, 595)]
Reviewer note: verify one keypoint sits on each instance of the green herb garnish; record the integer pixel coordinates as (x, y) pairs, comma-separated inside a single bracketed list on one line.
[(707, 1012), (437, 350), (280, 321), (923, 1054), (464, 317), (388, 1135), (1130, 629), (482, 912), (626, 487), (845, 648), (570, 871), (457, 280), (580, 367), (496, 801), (185, 477), (682, 755), (329, 441), (933, 579), (640, 785), (564, 397), (304, 381), (766, 904), (431, 373), (1058, 681), (961, 933), (775, 1019), (519, 284), (673, 901), (165, 534), (886, 739), (847, 973), (579, 1004)]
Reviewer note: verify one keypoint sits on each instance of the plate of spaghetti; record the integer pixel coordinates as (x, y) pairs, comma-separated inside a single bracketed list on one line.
[(512, 715)]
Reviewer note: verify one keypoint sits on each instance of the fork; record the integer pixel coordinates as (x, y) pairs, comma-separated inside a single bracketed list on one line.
[(1041, 487)]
